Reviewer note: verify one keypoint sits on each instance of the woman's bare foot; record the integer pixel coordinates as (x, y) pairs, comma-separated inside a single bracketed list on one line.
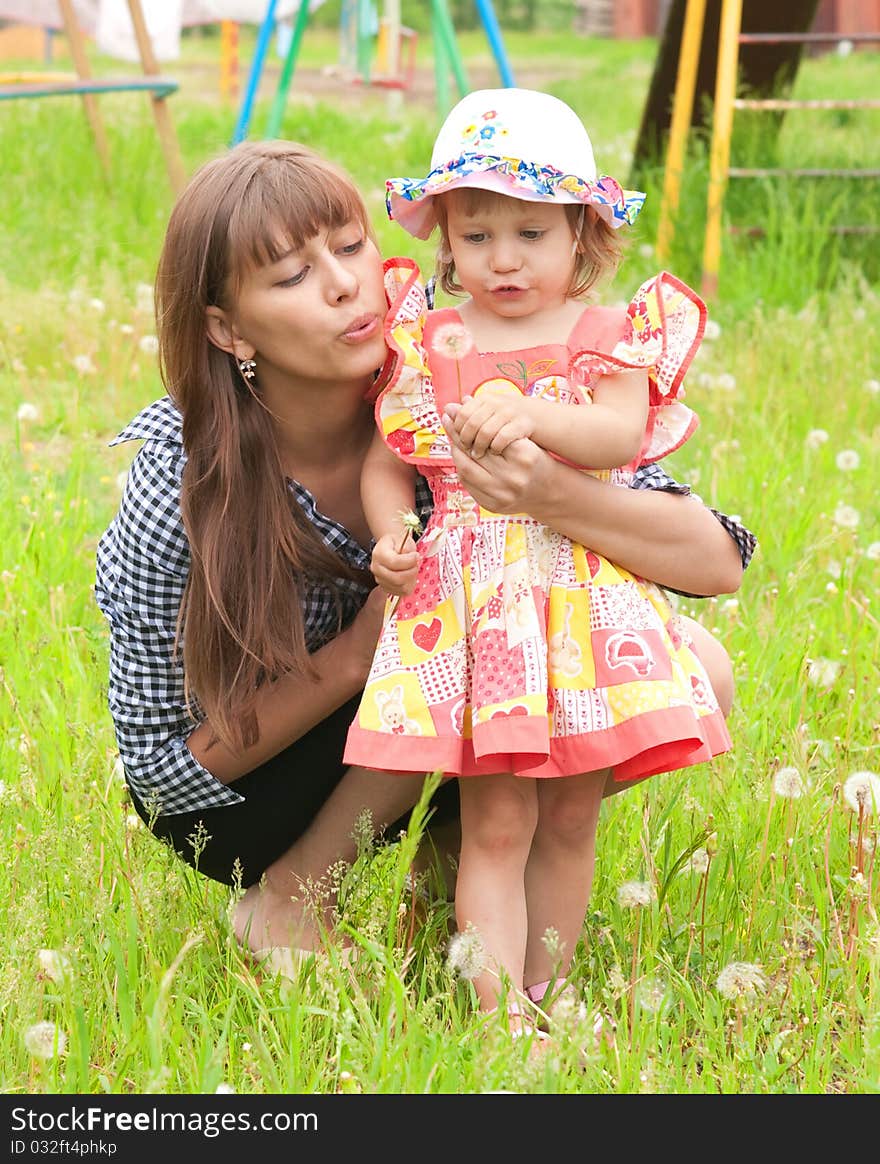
[(265, 919)]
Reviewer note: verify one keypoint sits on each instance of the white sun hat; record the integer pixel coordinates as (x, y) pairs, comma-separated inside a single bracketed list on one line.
[(518, 142)]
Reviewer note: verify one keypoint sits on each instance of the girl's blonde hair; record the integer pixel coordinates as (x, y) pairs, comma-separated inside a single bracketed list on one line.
[(599, 248), (253, 553)]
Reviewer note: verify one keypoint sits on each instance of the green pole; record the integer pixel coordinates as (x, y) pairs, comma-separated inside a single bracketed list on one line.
[(444, 31), (276, 113)]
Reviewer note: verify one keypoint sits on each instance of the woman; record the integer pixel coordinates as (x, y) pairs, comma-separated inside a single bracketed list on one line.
[(235, 575)]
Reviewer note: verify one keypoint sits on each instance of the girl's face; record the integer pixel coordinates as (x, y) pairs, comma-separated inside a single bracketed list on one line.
[(314, 316), (514, 258)]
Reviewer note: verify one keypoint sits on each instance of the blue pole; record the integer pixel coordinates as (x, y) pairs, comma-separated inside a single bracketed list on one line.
[(247, 105), (493, 34)]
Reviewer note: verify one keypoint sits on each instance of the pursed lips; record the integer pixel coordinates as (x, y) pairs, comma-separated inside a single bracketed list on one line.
[(361, 328)]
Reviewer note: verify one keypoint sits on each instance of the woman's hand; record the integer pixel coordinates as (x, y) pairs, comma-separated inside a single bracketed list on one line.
[(395, 570), (515, 481), (363, 634)]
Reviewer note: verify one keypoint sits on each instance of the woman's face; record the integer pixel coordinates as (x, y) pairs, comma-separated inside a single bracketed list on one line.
[(316, 315)]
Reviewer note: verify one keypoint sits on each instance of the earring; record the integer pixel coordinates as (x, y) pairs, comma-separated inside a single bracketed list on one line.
[(247, 368)]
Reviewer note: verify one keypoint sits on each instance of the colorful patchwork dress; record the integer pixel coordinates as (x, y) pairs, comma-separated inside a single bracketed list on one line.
[(520, 650)]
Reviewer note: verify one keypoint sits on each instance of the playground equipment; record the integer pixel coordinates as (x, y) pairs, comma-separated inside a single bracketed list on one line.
[(88, 87), (726, 102), (364, 37), (765, 61)]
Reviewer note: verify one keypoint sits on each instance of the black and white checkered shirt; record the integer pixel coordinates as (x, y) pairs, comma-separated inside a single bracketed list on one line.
[(142, 566)]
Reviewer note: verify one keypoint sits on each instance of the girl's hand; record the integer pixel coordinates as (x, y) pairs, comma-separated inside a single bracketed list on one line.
[(520, 480), (492, 421), (396, 571)]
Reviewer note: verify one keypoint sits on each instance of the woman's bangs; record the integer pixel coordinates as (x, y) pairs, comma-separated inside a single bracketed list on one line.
[(275, 218)]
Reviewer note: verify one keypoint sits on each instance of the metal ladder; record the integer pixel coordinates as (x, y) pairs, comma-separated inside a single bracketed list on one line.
[(726, 101)]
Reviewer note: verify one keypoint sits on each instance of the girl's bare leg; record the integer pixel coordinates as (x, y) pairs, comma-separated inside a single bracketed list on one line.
[(267, 915), (559, 874), (498, 818)]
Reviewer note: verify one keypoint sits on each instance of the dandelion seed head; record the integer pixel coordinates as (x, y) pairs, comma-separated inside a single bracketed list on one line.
[(224, 1089), (741, 979), (847, 460), (699, 862), (823, 672), (143, 297), (846, 517), (873, 552), (84, 365), (149, 344), (635, 894), (713, 330), (452, 340), (872, 386), (651, 995), (410, 520), (27, 411), (726, 382), (466, 956), (45, 1040), (861, 791), (97, 305), (788, 784), (815, 438), (55, 965)]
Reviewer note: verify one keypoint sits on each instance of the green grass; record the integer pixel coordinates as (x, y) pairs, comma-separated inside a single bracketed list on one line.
[(157, 999)]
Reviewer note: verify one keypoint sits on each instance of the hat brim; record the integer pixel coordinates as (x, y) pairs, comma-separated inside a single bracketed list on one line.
[(410, 201)]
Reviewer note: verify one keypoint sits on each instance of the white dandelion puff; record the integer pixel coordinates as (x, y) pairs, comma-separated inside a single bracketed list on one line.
[(466, 956), (224, 1089), (815, 438), (84, 365), (861, 791), (651, 995), (823, 672), (149, 344), (847, 460), (699, 862), (55, 965), (845, 517), (788, 784), (452, 340), (713, 330), (45, 1040), (635, 894), (27, 412), (873, 552), (126, 329), (726, 382), (872, 386), (740, 979), (97, 305), (730, 606), (143, 298)]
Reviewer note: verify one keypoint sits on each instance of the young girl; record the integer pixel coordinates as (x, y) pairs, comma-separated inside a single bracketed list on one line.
[(512, 656)]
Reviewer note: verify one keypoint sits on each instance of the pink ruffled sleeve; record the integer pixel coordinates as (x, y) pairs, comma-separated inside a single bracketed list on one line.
[(662, 331), (405, 407)]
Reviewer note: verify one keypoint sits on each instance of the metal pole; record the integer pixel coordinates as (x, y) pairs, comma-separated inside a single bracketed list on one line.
[(247, 105), (276, 113), (493, 35), (722, 127), (682, 108)]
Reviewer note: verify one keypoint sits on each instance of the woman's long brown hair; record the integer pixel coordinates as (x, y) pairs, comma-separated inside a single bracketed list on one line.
[(252, 549)]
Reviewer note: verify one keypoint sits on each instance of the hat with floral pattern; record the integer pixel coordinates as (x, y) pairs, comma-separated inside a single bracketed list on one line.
[(518, 142)]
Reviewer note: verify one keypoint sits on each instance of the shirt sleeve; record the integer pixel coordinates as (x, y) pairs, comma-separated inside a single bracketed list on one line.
[(142, 564), (653, 476)]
